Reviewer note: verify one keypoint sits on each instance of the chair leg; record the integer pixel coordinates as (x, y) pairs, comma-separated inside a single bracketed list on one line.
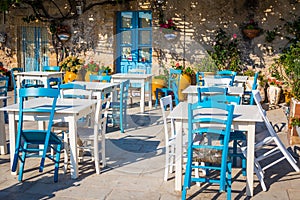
[(22, 164), (167, 164), (56, 165), (156, 98), (229, 180)]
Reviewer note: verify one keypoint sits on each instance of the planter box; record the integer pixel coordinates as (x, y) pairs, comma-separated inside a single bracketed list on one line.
[(294, 112)]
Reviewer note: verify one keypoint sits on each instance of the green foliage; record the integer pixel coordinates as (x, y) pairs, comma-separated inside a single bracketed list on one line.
[(226, 54), (293, 28), (6, 4), (295, 121), (270, 35), (249, 72), (287, 67)]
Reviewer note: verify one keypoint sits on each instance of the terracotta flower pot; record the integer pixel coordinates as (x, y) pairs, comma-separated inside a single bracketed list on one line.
[(251, 33)]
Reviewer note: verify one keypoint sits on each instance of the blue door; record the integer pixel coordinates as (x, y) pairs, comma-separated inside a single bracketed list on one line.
[(34, 45), (134, 41)]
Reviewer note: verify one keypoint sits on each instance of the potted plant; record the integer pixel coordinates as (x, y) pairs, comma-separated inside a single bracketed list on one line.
[(251, 29), (160, 81), (169, 29), (71, 66), (295, 122), (188, 74)]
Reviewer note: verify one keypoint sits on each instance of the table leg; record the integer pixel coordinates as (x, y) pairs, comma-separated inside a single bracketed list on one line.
[(3, 146), (73, 147), (178, 157), (12, 138), (150, 94), (250, 158), (142, 102)]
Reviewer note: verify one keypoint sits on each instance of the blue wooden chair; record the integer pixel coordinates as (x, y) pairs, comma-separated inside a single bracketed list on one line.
[(227, 74), (51, 68), (211, 148), (100, 78), (238, 137), (174, 77), (119, 108), (248, 96), (208, 92), (31, 142), (54, 81), (200, 78)]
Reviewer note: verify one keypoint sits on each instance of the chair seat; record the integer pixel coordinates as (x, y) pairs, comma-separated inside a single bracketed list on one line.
[(38, 137)]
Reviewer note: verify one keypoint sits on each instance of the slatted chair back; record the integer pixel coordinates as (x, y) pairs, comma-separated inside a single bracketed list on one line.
[(29, 140), (74, 91), (100, 78), (205, 92), (210, 123), (51, 68), (14, 80), (228, 74)]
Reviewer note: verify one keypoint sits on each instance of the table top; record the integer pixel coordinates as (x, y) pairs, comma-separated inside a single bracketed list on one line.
[(38, 73), (131, 76), (192, 89), (100, 86), (68, 106), (242, 113)]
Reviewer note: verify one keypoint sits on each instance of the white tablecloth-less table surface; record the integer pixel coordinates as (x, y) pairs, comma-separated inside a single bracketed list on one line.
[(69, 110)]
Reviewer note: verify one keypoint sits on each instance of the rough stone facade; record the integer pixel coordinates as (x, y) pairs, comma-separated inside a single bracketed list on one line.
[(93, 32)]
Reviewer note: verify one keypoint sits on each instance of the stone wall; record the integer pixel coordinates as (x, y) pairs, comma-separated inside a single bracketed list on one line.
[(93, 32)]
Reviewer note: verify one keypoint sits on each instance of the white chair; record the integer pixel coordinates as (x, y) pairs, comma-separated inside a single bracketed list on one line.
[(216, 81), (169, 136), (270, 145), (134, 88), (71, 90), (92, 136)]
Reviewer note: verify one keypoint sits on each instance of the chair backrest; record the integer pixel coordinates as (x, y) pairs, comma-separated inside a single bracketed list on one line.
[(175, 92), (257, 98), (14, 80), (54, 81), (100, 78), (51, 68), (211, 123), (174, 76), (166, 102), (75, 91), (3, 85), (124, 88), (204, 92), (228, 74), (200, 78), (217, 81)]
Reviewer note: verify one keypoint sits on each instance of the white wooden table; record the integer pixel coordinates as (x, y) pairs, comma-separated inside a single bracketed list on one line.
[(143, 79), (192, 92), (245, 117), (99, 88), (3, 145), (36, 75), (69, 110)]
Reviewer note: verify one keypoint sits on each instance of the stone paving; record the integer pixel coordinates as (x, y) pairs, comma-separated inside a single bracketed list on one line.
[(135, 170)]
